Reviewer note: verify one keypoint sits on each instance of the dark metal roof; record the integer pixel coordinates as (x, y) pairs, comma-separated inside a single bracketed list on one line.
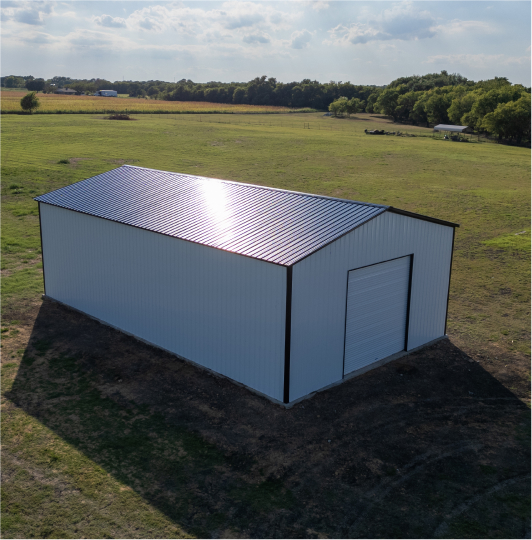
[(269, 224)]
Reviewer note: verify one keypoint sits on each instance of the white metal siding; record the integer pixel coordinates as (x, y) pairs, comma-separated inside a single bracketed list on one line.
[(319, 292), (377, 302), (221, 310)]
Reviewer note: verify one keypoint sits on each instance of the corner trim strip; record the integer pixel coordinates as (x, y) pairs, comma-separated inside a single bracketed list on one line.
[(287, 335), (449, 287), (42, 249)]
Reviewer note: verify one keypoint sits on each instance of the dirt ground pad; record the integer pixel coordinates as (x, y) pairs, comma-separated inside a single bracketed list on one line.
[(431, 445)]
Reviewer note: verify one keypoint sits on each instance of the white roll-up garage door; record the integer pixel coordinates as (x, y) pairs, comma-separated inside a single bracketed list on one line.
[(376, 318)]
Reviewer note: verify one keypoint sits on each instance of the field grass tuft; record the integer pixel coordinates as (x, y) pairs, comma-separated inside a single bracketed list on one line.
[(519, 241)]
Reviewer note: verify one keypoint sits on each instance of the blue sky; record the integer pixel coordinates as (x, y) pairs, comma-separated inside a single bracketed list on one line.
[(362, 42)]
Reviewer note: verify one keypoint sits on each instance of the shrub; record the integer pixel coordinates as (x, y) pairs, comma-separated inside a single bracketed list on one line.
[(29, 102)]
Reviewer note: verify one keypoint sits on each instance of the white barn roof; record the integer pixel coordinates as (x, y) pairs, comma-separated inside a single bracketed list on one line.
[(269, 224), (448, 127)]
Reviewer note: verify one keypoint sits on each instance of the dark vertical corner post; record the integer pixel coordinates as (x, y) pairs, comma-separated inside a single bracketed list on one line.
[(449, 288), (408, 300), (287, 335), (42, 249), (345, 321)]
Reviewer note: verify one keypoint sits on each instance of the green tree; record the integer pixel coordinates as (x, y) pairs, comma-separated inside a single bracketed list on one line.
[(461, 105), (135, 90), (14, 82), (487, 102), (372, 98), (35, 85), (510, 120), (339, 106), (436, 106), (239, 95), (418, 114), (30, 102), (387, 102), (354, 105), (405, 105)]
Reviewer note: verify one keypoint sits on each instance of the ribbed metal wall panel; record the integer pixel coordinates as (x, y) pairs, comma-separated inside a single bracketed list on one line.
[(319, 293), (376, 315), (221, 310)]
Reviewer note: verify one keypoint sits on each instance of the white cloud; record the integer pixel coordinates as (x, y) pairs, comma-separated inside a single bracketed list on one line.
[(256, 38), (241, 18), (229, 29), (40, 38), (318, 6), (28, 36), (401, 22), (26, 13), (457, 26), (29, 16), (110, 22), (477, 60), (300, 39)]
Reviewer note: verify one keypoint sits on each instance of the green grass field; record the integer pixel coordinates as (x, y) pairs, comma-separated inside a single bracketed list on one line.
[(483, 187)]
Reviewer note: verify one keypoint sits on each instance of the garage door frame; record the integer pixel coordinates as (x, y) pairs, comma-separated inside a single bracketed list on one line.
[(409, 297)]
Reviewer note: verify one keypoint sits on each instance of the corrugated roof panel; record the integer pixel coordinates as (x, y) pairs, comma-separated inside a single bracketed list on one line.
[(449, 127), (269, 224)]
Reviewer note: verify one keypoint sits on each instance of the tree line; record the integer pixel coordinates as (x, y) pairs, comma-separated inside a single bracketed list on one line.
[(495, 106), (259, 91)]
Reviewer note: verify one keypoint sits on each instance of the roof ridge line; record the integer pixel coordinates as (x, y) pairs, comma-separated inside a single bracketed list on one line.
[(268, 188)]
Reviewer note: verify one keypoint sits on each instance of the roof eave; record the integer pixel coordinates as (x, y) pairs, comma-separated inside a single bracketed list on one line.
[(422, 217)]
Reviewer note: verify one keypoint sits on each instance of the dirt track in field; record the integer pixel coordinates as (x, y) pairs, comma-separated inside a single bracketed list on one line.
[(431, 445)]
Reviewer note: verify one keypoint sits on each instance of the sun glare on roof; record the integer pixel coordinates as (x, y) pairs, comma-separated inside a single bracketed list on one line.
[(217, 202)]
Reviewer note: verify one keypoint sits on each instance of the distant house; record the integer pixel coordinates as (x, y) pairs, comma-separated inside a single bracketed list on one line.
[(67, 91), (106, 93)]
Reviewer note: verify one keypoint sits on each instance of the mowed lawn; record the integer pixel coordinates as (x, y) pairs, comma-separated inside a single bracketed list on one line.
[(54, 481)]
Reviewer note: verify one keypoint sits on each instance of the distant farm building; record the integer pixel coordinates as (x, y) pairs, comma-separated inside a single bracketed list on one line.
[(454, 129), (284, 292), (106, 93), (67, 91)]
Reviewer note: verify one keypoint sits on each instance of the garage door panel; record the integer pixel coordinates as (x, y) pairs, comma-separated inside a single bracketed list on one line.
[(392, 302), (371, 285), (376, 315), (381, 336), (372, 351), (381, 328)]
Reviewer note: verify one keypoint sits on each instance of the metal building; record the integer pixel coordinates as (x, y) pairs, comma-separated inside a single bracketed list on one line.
[(454, 129), (106, 93), (284, 292)]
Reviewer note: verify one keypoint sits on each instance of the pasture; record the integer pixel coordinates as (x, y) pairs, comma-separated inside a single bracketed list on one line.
[(57, 103), (106, 437)]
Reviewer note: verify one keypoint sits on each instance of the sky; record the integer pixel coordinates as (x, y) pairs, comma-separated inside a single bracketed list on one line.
[(358, 41)]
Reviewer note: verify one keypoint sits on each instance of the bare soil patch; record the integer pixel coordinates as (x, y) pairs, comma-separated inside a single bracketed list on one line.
[(432, 444), (120, 117)]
